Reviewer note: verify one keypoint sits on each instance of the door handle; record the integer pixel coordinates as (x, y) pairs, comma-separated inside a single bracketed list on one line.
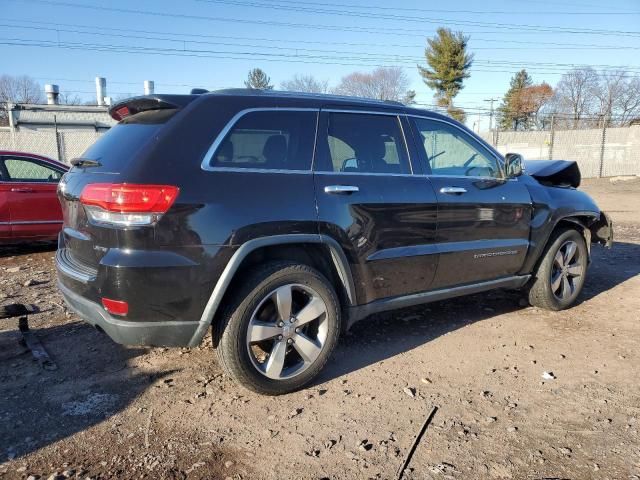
[(453, 190), (22, 190), (341, 189)]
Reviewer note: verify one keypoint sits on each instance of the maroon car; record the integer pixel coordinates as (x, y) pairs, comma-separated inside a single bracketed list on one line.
[(29, 207)]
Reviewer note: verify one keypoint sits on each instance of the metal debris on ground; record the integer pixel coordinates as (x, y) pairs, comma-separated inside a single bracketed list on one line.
[(416, 441)]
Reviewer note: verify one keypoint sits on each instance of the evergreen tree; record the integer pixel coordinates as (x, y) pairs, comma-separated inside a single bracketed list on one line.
[(448, 65), (258, 80), (512, 113), (409, 97)]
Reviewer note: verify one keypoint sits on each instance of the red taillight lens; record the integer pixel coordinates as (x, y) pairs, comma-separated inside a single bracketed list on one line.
[(121, 113), (116, 307), (129, 198)]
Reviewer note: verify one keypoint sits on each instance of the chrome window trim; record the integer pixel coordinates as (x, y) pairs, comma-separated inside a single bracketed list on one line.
[(487, 147), (33, 182), (371, 174), (402, 133), (368, 112), (205, 165), (257, 170)]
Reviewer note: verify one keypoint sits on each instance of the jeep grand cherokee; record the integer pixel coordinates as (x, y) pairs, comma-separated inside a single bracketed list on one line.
[(278, 220)]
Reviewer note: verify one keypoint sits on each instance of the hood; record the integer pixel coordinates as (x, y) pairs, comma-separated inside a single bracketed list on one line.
[(557, 173)]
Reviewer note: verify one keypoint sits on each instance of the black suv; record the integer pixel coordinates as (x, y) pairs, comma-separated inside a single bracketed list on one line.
[(278, 220)]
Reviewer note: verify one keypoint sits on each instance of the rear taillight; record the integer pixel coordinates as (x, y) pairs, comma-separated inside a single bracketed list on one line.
[(127, 204)]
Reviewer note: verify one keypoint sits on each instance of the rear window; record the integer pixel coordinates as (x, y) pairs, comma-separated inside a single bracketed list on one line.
[(115, 149)]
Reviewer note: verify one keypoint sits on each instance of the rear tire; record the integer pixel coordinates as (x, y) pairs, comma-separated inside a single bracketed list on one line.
[(561, 273), (279, 328)]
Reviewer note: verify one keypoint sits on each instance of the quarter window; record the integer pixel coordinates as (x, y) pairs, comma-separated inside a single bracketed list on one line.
[(23, 170), (274, 140), (451, 152), (363, 143)]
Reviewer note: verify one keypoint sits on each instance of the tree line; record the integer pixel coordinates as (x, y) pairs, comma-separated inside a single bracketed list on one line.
[(582, 98)]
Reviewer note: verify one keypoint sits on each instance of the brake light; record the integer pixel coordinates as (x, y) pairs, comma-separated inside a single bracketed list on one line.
[(127, 204), (121, 113), (116, 307)]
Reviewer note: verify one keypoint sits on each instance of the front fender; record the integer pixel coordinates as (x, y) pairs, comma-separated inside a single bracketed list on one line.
[(552, 205)]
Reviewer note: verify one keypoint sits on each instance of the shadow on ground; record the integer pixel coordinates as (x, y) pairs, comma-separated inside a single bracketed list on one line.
[(27, 249), (386, 335), (94, 380)]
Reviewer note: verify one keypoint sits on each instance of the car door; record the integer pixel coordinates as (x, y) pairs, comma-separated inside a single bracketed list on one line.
[(34, 208), (369, 200), (5, 217), (483, 217)]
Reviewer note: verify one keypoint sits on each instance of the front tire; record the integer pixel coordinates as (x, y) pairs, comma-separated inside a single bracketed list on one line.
[(279, 328), (561, 273)]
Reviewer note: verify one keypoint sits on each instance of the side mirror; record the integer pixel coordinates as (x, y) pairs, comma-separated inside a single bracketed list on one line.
[(514, 165)]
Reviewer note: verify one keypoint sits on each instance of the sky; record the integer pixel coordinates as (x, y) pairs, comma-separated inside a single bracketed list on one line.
[(214, 43)]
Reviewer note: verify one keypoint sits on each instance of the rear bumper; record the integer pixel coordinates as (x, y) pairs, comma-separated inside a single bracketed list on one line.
[(159, 334)]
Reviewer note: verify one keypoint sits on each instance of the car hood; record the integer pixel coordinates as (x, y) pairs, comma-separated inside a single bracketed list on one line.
[(559, 173)]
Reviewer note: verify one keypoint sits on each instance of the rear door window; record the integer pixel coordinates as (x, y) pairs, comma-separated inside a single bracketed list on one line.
[(272, 140), (363, 143)]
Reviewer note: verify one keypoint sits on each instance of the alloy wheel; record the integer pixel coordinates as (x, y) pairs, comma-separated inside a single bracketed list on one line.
[(567, 270), (287, 331)]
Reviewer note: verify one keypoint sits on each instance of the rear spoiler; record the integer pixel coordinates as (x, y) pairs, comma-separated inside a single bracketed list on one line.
[(134, 105)]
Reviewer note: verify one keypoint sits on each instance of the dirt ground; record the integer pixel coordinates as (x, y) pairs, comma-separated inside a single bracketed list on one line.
[(114, 412)]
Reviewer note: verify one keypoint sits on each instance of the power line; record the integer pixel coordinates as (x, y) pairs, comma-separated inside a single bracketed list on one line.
[(95, 30), (475, 12), (328, 54), (296, 49), (377, 30), (270, 57), (351, 13)]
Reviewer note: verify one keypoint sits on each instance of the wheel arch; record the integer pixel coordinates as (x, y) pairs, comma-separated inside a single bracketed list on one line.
[(321, 251), (579, 221)]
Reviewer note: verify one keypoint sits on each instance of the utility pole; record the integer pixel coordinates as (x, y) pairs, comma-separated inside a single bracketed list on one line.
[(494, 138), (491, 111)]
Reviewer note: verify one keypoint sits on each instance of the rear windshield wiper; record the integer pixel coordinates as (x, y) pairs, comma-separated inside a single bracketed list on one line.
[(85, 162)]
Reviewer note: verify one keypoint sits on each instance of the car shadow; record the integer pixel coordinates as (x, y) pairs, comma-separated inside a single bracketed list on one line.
[(94, 381), (27, 248), (388, 334), (610, 268)]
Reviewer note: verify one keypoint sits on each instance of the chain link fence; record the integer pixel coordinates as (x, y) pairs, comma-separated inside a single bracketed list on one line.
[(600, 152), (62, 145)]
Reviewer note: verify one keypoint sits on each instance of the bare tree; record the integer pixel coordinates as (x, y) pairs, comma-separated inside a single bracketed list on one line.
[(67, 98), (589, 98), (20, 89), (305, 83), (627, 103), (574, 95), (17, 89), (382, 84), (607, 92)]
